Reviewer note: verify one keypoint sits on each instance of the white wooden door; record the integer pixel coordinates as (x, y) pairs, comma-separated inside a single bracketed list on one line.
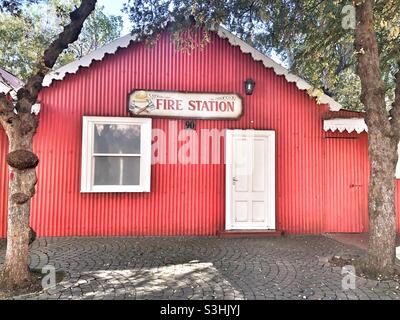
[(250, 179)]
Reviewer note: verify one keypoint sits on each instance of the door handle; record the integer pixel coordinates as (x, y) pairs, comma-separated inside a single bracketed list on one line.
[(234, 180), (355, 185)]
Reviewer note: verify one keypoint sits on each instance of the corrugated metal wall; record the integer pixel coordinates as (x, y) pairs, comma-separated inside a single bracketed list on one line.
[(184, 199), (346, 182)]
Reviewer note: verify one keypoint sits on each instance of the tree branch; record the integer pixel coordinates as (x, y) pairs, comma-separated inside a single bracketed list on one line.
[(28, 94)]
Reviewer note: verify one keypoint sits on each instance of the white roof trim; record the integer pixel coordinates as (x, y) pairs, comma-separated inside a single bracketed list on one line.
[(124, 42), (351, 124), (6, 89), (278, 69), (86, 61), (9, 84)]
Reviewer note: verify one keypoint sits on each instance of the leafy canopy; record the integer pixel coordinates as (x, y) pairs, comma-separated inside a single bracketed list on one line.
[(14, 6), (25, 36), (314, 38)]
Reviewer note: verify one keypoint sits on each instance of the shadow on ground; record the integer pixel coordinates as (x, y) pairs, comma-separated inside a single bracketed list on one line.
[(200, 268)]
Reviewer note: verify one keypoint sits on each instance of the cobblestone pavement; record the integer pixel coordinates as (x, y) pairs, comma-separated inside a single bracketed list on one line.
[(200, 268)]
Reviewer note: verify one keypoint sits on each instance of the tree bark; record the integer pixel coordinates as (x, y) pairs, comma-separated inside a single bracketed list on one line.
[(381, 206), (382, 148), (22, 180), (20, 126)]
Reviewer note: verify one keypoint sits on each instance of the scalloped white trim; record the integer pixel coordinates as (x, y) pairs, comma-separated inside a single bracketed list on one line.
[(341, 124), (124, 42), (278, 69), (86, 61), (6, 89)]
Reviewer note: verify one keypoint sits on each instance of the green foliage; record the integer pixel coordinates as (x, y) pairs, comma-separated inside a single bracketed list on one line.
[(24, 37), (19, 44), (307, 35), (14, 6), (98, 30)]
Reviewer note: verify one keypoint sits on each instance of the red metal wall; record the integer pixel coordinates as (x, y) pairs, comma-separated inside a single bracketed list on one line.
[(184, 199), (346, 182)]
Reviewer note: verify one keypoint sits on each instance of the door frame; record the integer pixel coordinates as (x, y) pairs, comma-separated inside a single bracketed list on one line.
[(270, 169)]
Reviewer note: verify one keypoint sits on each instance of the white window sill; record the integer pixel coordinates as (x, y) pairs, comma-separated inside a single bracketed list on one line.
[(116, 189)]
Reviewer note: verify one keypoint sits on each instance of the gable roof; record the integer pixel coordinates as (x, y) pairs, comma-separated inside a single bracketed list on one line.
[(123, 42), (9, 84)]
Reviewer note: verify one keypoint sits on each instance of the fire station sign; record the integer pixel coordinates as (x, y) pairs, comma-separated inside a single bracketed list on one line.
[(185, 105)]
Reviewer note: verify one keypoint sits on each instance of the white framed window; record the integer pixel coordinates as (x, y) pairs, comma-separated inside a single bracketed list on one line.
[(116, 154)]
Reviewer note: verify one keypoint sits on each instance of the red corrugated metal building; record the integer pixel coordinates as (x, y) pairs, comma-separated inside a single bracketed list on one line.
[(305, 180)]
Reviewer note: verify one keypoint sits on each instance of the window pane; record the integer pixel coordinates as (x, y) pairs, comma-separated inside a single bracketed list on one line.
[(116, 138), (116, 170)]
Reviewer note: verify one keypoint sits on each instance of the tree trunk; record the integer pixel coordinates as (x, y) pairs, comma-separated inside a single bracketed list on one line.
[(381, 206), (382, 147), (22, 179), (15, 272), (20, 126)]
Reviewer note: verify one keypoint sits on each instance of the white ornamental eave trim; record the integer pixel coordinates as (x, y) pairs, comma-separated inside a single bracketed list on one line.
[(341, 124), (86, 61), (4, 88), (278, 69), (124, 42)]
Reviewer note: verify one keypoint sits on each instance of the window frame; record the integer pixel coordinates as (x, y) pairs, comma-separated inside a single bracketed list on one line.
[(87, 162)]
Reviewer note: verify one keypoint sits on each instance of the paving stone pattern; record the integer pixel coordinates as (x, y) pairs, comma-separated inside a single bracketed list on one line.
[(291, 267)]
